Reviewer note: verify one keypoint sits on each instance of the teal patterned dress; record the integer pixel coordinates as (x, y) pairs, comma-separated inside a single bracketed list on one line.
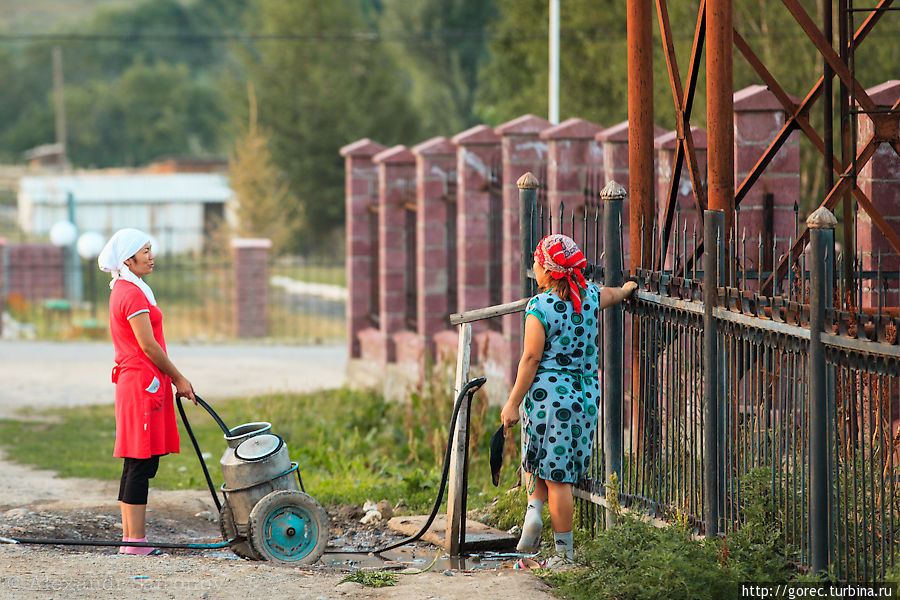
[(559, 417)]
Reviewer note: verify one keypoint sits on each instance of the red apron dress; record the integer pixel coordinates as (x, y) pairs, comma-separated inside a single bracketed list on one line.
[(145, 414)]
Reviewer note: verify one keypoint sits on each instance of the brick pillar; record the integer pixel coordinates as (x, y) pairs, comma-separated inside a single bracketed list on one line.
[(396, 189), (614, 141), (479, 258), (436, 239), (522, 151), (768, 207), (478, 150), (573, 156), (251, 260), (879, 180), (35, 271), (666, 145), (361, 197)]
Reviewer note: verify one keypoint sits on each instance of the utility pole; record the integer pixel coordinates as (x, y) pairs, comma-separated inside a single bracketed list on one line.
[(59, 96), (553, 103)]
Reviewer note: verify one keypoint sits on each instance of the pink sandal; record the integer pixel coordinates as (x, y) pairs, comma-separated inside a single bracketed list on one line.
[(528, 563)]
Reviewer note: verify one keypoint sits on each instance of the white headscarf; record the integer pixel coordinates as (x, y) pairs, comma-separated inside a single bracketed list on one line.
[(121, 246)]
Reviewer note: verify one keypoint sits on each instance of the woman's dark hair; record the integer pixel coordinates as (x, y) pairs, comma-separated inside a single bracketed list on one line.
[(561, 287)]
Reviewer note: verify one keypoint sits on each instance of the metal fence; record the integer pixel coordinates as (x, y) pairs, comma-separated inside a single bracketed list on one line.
[(306, 301), (720, 383)]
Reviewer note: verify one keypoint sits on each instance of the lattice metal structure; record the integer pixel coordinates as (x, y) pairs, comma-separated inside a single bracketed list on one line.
[(716, 31)]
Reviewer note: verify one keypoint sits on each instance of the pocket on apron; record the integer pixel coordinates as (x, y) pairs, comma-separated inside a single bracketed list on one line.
[(153, 387)]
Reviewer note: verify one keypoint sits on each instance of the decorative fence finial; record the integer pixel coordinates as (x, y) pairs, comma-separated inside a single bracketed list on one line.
[(613, 191), (821, 218), (527, 181)]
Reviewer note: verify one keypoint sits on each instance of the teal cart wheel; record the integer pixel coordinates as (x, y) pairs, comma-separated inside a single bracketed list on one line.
[(288, 526)]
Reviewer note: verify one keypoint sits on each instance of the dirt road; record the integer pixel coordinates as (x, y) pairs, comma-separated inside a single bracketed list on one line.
[(37, 504), (46, 374)]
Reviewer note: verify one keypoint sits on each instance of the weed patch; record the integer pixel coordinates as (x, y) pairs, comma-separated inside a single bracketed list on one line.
[(636, 560), (374, 579)]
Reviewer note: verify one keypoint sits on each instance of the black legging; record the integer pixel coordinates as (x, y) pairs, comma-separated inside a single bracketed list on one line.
[(136, 476)]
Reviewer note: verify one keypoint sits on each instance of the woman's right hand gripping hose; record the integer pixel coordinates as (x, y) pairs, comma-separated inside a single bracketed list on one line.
[(184, 389)]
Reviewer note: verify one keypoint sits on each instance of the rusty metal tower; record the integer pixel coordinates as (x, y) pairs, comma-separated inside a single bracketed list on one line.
[(716, 30)]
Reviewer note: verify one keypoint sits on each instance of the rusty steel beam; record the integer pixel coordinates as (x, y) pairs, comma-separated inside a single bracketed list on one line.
[(683, 106), (796, 118), (720, 107), (797, 114), (828, 95), (849, 248), (834, 61), (844, 184), (640, 129)]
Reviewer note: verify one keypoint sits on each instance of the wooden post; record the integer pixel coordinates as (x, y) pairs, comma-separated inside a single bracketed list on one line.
[(456, 495)]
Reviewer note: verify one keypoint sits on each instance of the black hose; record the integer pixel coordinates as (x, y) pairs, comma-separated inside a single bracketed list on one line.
[(70, 542), (187, 426), (467, 391)]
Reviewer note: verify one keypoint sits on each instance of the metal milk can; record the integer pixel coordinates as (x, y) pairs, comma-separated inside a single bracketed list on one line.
[(265, 513)]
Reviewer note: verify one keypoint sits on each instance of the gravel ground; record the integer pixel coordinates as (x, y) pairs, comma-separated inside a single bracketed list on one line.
[(38, 504)]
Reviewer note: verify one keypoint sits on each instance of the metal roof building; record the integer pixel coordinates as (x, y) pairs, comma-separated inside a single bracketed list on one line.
[(178, 209)]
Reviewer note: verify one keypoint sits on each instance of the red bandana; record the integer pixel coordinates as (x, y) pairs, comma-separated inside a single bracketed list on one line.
[(560, 256)]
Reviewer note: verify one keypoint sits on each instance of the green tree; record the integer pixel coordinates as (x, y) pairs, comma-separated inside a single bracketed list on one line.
[(593, 61), (328, 86), (593, 79), (441, 44), (158, 33), (259, 188), (152, 110)]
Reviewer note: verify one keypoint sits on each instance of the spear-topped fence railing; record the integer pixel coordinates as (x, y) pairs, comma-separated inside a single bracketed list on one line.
[(709, 383)]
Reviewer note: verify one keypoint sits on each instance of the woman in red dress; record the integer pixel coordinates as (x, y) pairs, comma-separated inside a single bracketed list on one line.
[(144, 376)]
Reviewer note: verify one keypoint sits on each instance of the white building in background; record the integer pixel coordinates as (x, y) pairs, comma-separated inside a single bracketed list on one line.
[(179, 209)]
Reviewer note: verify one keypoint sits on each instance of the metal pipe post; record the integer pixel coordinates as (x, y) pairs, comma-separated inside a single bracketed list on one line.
[(553, 100), (720, 106), (528, 185), (613, 195), (821, 225), (641, 178), (75, 289), (828, 97), (713, 226), (456, 485)]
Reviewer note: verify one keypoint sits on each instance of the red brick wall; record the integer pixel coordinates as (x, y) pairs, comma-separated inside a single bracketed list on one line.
[(35, 271), (758, 117), (523, 150), (573, 155), (666, 145), (879, 180)]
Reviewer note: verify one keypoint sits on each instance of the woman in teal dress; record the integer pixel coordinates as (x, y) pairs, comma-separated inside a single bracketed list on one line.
[(558, 381)]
